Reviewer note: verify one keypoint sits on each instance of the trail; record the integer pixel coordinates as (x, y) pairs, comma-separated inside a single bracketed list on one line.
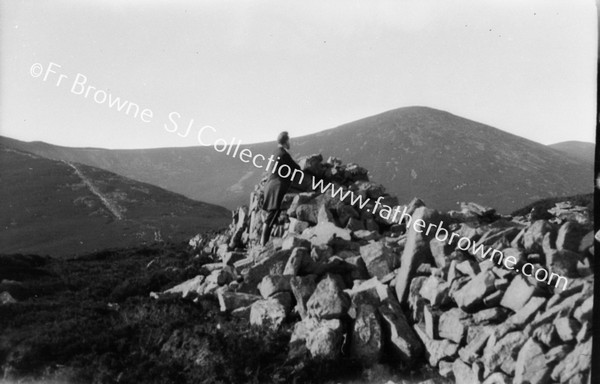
[(111, 206)]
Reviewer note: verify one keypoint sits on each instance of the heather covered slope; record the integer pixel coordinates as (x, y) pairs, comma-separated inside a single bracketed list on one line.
[(579, 150), (58, 208), (414, 151)]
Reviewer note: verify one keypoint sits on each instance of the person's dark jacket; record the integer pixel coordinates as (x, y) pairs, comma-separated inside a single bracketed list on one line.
[(277, 186)]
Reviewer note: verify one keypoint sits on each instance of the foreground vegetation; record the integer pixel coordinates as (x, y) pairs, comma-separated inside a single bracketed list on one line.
[(91, 320)]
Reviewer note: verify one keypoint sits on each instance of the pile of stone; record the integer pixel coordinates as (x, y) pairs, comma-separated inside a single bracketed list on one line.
[(362, 286)]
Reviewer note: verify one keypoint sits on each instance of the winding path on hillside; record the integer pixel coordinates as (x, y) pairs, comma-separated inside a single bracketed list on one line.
[(111, 206)]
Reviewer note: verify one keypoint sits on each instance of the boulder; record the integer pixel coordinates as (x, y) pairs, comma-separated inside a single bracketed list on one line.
[(471, 295), (293, 241), (272, 284), (498, 350), (570, 235), (531, 366), (297, 226), (436, 350), (464, 372), (230, 301), (192, 285), (6, 298), (416, 251), (518, 293), (302, 288), (576, 362), (299, 262), (453, 325), (367, 340), (323, 339), (534, 236), (403, 341), (328, 301), (323, 233), (435, 290), (267, 313), (378, 258)]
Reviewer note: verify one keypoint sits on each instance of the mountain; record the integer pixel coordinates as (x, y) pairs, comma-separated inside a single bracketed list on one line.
[(60, 208), (580, 150), (413, 151)]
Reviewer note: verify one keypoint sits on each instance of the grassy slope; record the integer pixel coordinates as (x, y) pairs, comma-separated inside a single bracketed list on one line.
[(90, 320), (46, 208)]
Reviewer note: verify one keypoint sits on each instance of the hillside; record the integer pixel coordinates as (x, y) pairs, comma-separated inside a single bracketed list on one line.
[(580, 150), (414, 151), (58, 208)]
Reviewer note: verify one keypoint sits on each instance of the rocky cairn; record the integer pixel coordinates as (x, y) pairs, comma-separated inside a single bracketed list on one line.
[(354, 284)]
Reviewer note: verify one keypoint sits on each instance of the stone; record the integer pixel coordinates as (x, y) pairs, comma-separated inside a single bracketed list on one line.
[(328, 301), (321, 253), (453, 325), (255, 273), (498, 350), (192, 285), (570, 235), (435, 290), (468, 267), (6, 298), (578, 361), (323, 233), (324, 215), (370, 291), (345, 213), (365, 235), (531, 364), (308, 212), (474, 348), (498, 378), (267, 313), (297, 226), (546, 334), (232, 257), (518, 294), (294, 241), (355, 225), (416, 251), (415, 301), (563, 263), (471, 295), (436, 350), (367, 340), (493, 299), (445, 370), (302, 288), (272, 284), (464, 374), (401, 338), (431, 318), (528, 311), (583, 313), (378, 258), (566, 328), (534, 236), (490, 315), (324, 339), (441, 252), (299, 262), (229, 301)]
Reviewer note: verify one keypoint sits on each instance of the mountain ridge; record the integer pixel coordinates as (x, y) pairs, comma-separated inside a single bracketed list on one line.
[(413, 151)]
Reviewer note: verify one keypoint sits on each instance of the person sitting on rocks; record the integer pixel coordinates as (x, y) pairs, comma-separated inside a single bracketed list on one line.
[(277, 186)]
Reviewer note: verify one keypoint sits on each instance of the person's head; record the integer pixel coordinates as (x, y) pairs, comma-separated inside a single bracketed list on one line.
[(283, 140)]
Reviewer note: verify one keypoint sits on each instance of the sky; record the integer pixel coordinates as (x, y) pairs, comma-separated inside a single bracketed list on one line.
[(250, 69)]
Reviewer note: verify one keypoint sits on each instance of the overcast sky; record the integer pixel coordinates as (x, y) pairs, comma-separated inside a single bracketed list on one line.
[(253, 68)]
